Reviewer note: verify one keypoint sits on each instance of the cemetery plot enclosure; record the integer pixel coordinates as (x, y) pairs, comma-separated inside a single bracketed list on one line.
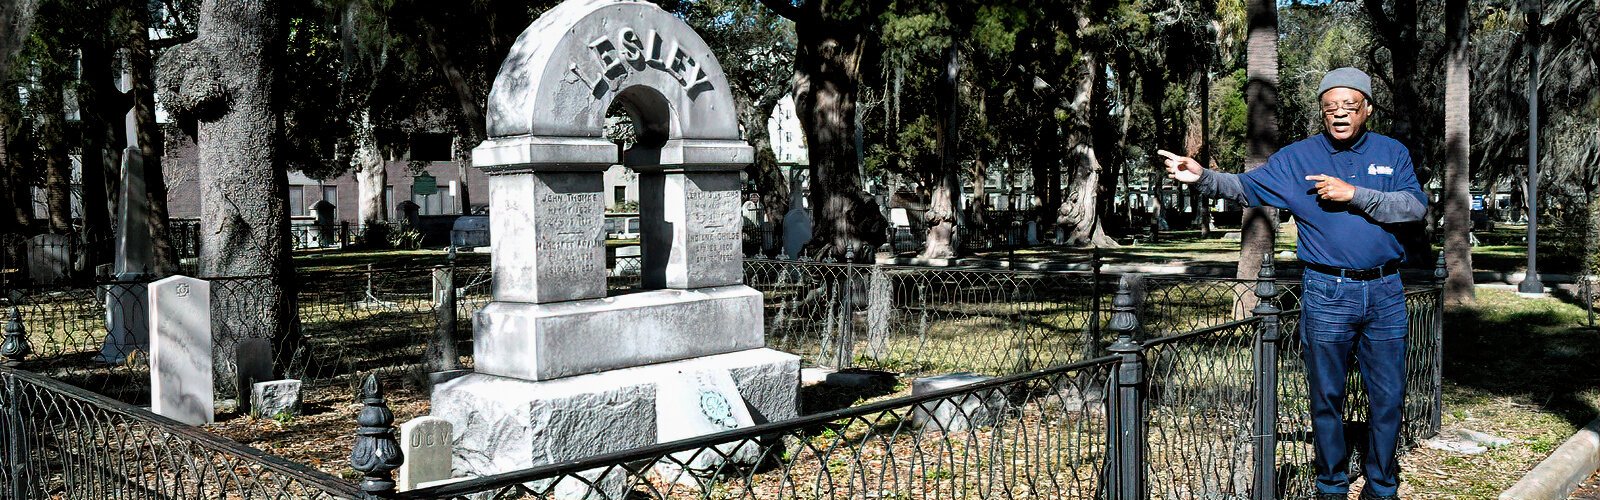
[(1039, 431)]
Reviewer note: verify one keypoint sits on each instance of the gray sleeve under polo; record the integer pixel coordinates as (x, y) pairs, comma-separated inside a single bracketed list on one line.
[(1222, 185), (1388, 207)]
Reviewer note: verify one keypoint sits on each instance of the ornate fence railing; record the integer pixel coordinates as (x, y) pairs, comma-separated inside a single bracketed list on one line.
[(1176, 416), (60, 441), (1177, 410)]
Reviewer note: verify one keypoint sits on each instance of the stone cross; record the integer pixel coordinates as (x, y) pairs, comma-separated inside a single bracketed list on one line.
[(426, 444), (181, 383)]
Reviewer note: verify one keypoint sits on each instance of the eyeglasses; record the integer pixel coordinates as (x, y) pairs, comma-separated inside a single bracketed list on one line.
[(1329, 108)]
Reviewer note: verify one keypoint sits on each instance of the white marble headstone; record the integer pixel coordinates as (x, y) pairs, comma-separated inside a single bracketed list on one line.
[(426, 444), (181, 382)]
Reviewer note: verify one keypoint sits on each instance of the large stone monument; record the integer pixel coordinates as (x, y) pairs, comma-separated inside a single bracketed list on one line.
[(564, 371), (127, 323)]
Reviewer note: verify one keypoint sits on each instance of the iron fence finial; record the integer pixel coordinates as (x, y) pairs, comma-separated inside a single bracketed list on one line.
[(377, 452), (1438, 266), (1266, 287), (1124, 320), (15, 347)]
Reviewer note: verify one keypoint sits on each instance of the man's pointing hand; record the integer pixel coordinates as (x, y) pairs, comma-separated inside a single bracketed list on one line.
[(1333, 188), (1181, 169)]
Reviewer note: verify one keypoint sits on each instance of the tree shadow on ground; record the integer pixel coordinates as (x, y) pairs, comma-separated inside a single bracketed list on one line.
[(1539, 355)]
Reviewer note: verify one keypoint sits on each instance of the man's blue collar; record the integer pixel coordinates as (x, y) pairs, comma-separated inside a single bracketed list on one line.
[(1360, 146)]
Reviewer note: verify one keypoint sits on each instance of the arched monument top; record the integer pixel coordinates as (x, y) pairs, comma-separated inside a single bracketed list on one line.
[(547, 108)]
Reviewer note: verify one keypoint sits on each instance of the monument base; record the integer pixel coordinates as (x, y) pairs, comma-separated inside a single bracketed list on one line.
[(504, 424), (551, 341)]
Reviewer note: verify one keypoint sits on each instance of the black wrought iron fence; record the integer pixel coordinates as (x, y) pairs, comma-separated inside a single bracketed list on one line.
[(916, 320), (91, 337), (1035, 435), (1179, 416), (61, 441), (1190, 402), (51, 259)]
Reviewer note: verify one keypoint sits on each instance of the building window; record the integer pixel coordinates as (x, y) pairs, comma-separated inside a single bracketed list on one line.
[(330, 194), (388, 208), (619, 194), (297, 201)]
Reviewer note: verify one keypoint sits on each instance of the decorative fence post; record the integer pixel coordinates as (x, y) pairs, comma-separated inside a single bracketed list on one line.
[(1265, 358), (1091, 348), (847, 319), (17, 454), (15, 347), (377, 452), (442, 355), (1126, 450)]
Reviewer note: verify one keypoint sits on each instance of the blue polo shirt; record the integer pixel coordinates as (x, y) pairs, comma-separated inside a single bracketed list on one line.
[(1347, 235)]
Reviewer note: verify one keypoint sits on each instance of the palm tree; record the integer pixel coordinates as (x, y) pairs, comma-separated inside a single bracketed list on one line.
[(1260, 224), (1457, 135)]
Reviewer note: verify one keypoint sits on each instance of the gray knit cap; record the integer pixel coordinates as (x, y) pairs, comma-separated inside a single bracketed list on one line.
[(1346, 77)]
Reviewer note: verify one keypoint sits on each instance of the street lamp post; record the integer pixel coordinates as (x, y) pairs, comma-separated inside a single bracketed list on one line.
[(1530, 282)]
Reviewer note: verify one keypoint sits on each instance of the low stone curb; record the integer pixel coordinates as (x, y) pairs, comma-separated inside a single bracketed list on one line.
[(1561, 473)]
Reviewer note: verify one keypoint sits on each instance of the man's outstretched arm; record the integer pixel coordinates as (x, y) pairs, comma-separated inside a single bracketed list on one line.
[(1222, 185), (1389, 207)]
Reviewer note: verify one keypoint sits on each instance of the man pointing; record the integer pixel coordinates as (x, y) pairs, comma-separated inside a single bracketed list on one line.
[(1347, 188)]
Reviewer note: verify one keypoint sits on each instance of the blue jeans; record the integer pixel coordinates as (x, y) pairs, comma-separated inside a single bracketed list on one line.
[(1339, 318)]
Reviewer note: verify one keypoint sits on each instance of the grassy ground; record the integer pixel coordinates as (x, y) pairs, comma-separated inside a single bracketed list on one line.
[(1524, 369), (353, 260), (1173, 247)]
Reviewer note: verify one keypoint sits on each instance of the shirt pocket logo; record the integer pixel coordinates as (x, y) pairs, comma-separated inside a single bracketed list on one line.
[(1376, 169)]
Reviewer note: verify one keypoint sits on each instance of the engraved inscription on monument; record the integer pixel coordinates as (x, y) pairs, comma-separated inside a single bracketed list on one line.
[(714, 226), (569, 231)]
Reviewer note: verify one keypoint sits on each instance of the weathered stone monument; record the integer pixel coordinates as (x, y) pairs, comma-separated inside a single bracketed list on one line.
[(252, 363), (49, 258), (409, 213), (797, 222), (327, 223), (126, 316), (181, 383), (562, 370)]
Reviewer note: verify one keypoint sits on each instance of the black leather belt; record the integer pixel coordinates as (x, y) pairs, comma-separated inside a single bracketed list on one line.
[(1367, 274)]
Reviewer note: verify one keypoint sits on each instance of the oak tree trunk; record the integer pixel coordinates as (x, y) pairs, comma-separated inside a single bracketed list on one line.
[(1077, 213), (53, 79), (944, 209), (101, 109), (827, 76), (141, 70), (225, 80)]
